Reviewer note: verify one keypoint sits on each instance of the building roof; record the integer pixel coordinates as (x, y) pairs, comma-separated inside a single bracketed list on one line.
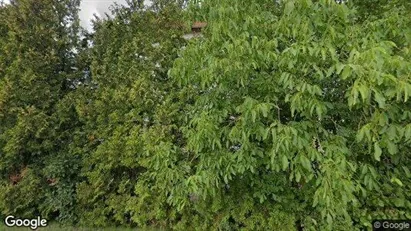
[(198, 25)]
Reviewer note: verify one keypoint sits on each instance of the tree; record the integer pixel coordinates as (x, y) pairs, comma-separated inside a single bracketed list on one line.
[(285, 115), (375, 9), (37, 63), (130, 56), (301, 111)]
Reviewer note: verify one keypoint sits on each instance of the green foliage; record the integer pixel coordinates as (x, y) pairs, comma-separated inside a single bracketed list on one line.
[(130, 57), (270, 82), (37, 61), (285, 114)]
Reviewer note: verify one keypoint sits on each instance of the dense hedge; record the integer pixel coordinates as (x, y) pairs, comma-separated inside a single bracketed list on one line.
[(286, 114)]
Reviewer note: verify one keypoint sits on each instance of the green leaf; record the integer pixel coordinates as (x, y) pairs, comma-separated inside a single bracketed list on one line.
[(289, 7), (329, 219), (323, 54), (407, 89), (305, 162), (354, 95), (380, 99), (364, 91), (330, 71), (346, 72), (407, 172), (319, 111), (315, 201), (407, 133), (383, 119), (392, 148), (298, 176), (265, 133), (365, 130), (397, 181), (392, 132), (377, 151), (253, 116), (399, 202), (284, 160)]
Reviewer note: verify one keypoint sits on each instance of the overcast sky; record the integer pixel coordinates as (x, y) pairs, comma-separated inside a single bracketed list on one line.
[(90, 7), (98, 7)]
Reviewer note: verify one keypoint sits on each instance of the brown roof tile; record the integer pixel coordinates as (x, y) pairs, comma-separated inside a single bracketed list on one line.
[(197, 25)]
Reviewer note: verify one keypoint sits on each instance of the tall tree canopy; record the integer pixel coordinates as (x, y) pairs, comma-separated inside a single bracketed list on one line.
[(286, 115), (303, 110), (37, 60), (131, 54)]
